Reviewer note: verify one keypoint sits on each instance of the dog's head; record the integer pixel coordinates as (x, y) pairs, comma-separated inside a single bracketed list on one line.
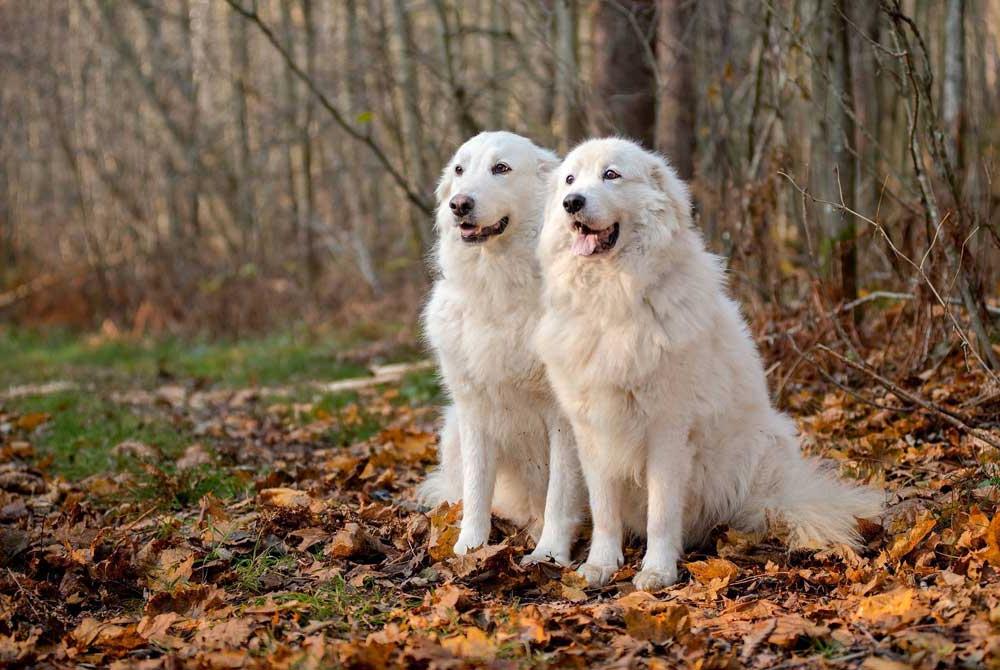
[(612, 196), (493, 185)]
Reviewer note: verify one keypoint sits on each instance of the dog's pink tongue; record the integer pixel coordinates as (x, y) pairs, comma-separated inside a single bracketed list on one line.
[(584, 245)]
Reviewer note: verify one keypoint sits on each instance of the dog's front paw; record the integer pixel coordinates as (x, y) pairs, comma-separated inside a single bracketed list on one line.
[(467, 541), (543, 555), (597, 575), (654, 580)]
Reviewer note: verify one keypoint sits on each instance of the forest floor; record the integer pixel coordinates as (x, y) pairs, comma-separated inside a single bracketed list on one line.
[(212, 506)]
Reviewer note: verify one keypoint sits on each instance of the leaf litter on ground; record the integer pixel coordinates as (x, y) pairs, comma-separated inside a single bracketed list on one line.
[(284, 534)]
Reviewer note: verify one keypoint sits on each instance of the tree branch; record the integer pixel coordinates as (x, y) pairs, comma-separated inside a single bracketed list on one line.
[(414, 196)]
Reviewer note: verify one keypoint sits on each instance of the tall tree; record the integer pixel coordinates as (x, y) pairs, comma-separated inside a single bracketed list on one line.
[(844, 147), (412, 130), (239, 49), (568, 111), (624, 69), (675, 94), (953, 86)]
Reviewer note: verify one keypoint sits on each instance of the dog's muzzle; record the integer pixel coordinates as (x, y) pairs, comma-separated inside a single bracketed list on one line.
[(475, 234), (591, 242)]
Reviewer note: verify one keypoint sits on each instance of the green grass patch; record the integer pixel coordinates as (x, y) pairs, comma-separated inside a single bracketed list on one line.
[(355, 425), (178, 490), (422, 388), (83, 430), (278, 359), (251, 571), (355, 610)]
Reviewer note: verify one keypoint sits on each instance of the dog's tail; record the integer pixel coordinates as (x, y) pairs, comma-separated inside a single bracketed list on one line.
[(819, 508), (444, 483)]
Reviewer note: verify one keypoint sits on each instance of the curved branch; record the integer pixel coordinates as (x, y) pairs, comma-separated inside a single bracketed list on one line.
[(414, 196)]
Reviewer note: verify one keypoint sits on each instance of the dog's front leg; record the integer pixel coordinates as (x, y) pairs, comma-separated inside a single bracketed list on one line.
[(668, 469), (563, 499), (479, 474), (606, 498)]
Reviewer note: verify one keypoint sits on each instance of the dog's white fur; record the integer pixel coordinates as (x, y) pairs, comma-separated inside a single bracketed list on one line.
[(658, 374), (504, 438)]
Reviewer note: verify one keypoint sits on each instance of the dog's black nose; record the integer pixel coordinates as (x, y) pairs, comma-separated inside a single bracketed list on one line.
[(574, 202), (461, 205)]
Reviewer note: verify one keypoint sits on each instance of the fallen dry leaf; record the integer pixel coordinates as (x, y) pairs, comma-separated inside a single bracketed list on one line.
[(908, 542), (284, 497), (347, 542), (992, 553), (471, 643), (659, 625), (32, 420), (891, 610), (712, 569)]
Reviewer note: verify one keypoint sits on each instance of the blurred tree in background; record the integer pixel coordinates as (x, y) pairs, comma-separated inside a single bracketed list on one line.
[(226, 165)]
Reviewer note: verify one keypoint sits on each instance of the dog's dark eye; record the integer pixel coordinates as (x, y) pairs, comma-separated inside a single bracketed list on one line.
[(458, 169), (500, 168), (570, 178), (611, 174)]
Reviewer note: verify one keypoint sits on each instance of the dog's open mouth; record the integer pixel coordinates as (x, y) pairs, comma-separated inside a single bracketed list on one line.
[(590, 242), (473, 234)]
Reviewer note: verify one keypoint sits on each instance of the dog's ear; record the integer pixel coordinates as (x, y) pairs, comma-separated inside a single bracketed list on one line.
[(547, 162), (662, 175), (664, 178), (444, 183)]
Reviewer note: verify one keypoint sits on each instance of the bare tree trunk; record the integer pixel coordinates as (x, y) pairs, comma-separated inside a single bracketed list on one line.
[(843, 143), (412, 128), (7, 252), (624, 70), (963, 265), (568, 110), (675, 97), (494, 64), (240, 57), (460, 103), (193, 147), (953, 90), (309, 215), (291, 96), (362, 223)]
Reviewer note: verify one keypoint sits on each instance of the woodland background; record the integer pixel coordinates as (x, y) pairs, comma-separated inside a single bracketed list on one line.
[(215, 406), (192, 166)]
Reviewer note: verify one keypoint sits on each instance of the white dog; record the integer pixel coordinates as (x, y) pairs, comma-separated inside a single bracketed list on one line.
[(505, 439), (657, 372)]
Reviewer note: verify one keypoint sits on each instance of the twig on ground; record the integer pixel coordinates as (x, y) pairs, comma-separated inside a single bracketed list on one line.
[(804, 355), (954, 420), (842, 207)]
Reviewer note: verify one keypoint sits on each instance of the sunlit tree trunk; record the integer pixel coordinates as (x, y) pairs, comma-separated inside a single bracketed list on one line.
[(953, 89)]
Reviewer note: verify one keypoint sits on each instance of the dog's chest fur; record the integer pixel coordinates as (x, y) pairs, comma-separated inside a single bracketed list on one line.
[(479, 320), (621, 348)]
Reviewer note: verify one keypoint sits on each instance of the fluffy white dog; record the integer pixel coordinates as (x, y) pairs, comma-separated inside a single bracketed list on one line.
[(655, 368), (505, 439)]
